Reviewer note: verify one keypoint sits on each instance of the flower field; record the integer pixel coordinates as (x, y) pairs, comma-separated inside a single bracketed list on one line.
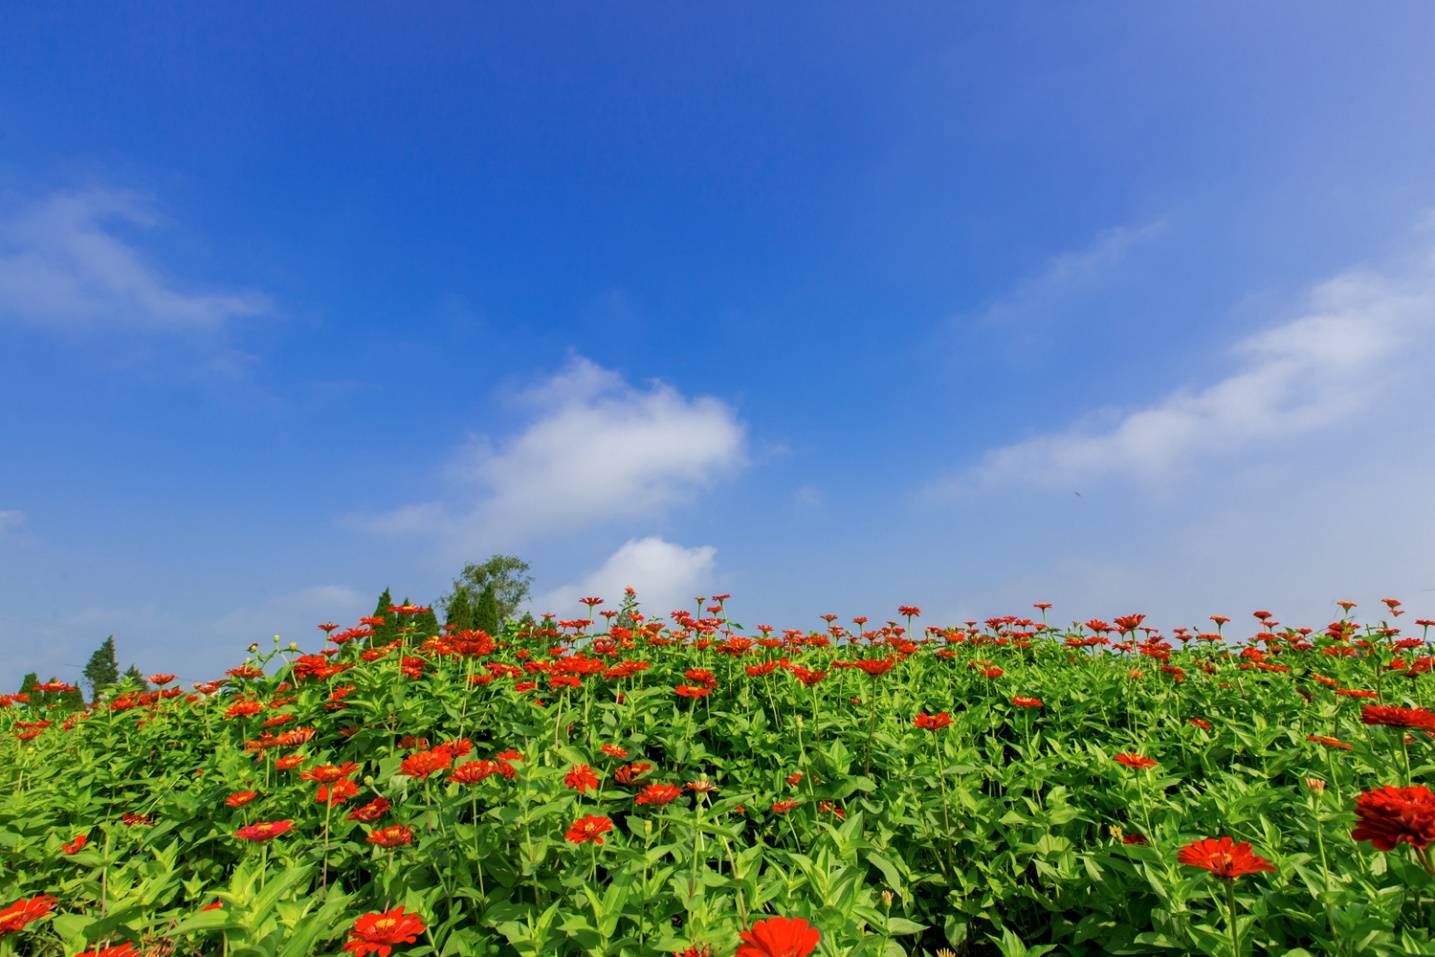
[(687, 786)]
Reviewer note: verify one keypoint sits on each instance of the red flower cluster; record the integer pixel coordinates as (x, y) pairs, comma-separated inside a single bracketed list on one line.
[(377, 933), (1393, 815), (932, 722), (779, 937)]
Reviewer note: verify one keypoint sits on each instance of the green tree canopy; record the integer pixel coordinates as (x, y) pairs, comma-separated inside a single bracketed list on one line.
[(458, 611), (103, 669), (486, 615), (133, 676), (507, 575)]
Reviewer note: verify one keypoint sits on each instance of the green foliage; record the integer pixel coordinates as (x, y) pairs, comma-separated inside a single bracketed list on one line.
[(103, 669), (134, 680), (486, 615), (1000, 833), (389, 630), (458, 612), (506, 575)]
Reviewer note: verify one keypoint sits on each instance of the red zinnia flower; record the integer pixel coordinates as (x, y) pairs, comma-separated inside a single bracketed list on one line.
[(126, 949), (241, 798), (581, 778), (590, 828), (932, 722), (1393, 717), (76, 845), (328, 773), (371, 812), (992, 673), (424, 763), (613, 751), (692, 691), (1203, 725), (377, 933), (659, 793), (779, 937), (1026, 702), (1137, 761), (1390, 815), (1223, 858), (336, 793), (782, 807), (263, 830), (392, 836), (876, 666), (1328, 742), (24, 911)]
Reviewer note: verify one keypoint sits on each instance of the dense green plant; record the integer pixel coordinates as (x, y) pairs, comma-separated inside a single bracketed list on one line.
[(558, 790)]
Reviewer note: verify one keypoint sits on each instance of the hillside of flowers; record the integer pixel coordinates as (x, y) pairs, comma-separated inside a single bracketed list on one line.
[(615, 785)]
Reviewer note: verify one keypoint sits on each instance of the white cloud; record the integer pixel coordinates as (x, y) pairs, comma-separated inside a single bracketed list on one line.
[(665, 576), (1069, 274), (62, 265), (1358, 330), (596, 449), (11, 519)]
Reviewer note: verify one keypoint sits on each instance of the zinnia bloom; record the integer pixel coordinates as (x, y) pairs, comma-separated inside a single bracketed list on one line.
[(241, 798), (1328, 742), (590, 828), (779, 937), (1137, 761), (580, 778), (658, 793), (932, 722), (24, 911), (336, 793), (127, 949), (76, 845), (424, 763), (1026, 702), (371, 812), (1393, 717), (395, 835), (876, 666), (782, 807), (377, 933), (1390, 815), (1223, 858), (264, 830)]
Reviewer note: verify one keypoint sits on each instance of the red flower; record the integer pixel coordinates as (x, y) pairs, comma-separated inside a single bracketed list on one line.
[(395, 835), (581, 778), (779, 937), (243, 709), (264, 830), (328, 773), (932, 722), (590, 828), (613, 751), (126, 949), (1390, 815), (692, 691), (24, 911), (629, 773), (371, 812), (876, 666), (241, 798), (1026, 702), (424, 763), (992, 673), (782, 807), (1393, 717), (1137, 761), (74, 846), (161, 678), (377, 933), (1203, 725), (1223, 858), (1328, 742), (336, 793), (659, 793), (1133, 839)]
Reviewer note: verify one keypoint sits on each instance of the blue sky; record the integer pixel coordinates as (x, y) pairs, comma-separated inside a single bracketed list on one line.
[(827, 307)]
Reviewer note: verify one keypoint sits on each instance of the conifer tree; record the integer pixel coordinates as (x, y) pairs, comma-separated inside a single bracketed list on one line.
[(486, 615), (425, 624), (389, 630), (133, 676), (458, 612), (72, 700), (28, 683), (103, 669)]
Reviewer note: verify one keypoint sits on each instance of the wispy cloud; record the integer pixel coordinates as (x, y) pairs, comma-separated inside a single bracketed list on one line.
[(1353, 334), (11, 519), (665, 576), (595, 449), (64, 265), (1068, 275)]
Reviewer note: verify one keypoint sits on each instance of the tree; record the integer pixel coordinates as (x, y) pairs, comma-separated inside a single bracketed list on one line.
[(388, 631), (28, 683), (103, 669), (507, 575), (426, 623), (457, 610), (486, 615), (133, 676)]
